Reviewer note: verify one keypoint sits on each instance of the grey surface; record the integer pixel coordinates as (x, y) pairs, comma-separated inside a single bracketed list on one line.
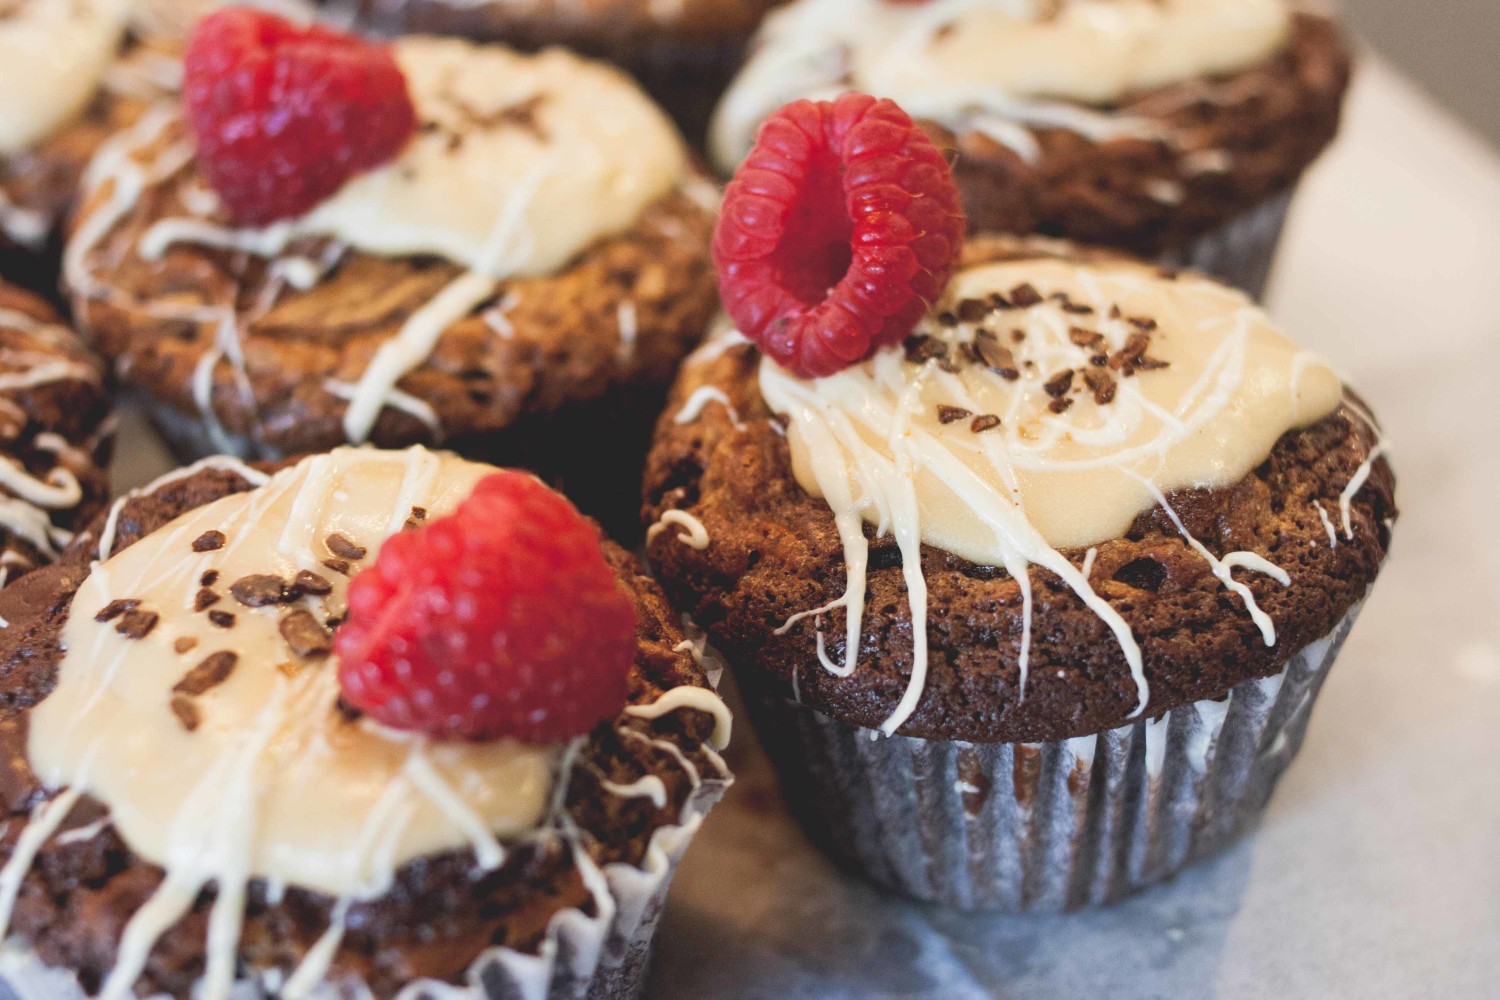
[(1376, 873), (1448, 46)]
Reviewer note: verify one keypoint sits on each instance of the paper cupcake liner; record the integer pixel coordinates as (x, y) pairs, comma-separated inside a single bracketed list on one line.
[(602, 956), (1239, 252), (1045, 826)]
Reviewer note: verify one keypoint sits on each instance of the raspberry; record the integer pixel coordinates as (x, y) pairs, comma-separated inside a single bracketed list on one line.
[(501, 620), (838, 231), (285, 115)]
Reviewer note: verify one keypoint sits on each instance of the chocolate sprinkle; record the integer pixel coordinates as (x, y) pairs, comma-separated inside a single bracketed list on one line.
[(344, 548), (186, 712), (306, 637), (259, 590), (209, 541), (311, 583), (206, 599), (137, 624), (223, 619), (115, 609), (213, 671), (984, 422), (948, 414)]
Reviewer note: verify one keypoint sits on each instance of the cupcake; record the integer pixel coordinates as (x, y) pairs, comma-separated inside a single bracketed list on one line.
[(1032, 592), (56, 427), (436, 242), (1174, 130), (377, 724), (683, 51), (80, 70)]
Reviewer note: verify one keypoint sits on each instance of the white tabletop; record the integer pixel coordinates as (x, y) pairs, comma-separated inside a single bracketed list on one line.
[(1376, 872)]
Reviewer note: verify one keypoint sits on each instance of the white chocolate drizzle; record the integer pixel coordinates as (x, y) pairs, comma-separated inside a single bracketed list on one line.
[(694, 534), (693, 407), (889, 442)]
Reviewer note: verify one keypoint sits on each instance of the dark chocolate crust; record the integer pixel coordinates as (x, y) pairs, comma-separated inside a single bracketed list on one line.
[(774, 551), (1272, 120), (76, 409), (438, 916)]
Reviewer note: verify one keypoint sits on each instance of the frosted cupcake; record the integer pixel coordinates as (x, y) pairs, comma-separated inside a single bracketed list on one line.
[(1034, 590), (435, 242), (1175, 130), (382, 723)]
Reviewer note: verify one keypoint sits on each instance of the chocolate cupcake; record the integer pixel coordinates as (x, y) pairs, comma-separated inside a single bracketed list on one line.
[(683, 51), (1033, 591), (206, 787), (516, 279), (1176, 131), (56, 427)]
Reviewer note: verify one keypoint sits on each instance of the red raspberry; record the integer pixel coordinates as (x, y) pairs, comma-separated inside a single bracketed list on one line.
[(285, 115), (501, 620), (838, 231)]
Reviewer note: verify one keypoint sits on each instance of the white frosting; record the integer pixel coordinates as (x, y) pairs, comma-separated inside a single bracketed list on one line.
[(872, 440), (993, 64), (53, 56)]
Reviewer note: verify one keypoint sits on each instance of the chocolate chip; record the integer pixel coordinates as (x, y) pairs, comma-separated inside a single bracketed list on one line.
[(223, 619), (1061, 405), (1059, 384), (135, 624), (1025, 296), (186, 644), (948, 414), (209, 578), (984, 422), (344, 548), (209, 541), (973, 310), (1101, 383), (206, 599), (115, 609), (259, 590), (306, 637), (213, 671), (186, 712), (337, 565), (311, 583)]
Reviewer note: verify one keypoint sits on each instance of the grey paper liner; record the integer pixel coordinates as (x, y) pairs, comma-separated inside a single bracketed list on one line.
[(1239, 252), (585, 956), (1046, 826)]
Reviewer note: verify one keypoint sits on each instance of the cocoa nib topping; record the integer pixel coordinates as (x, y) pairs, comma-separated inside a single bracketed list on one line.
[(1058, 385), (213, 671), (209, 541), (115, 609), (223, 619), (337, 565), (342, 547), (186, 712), (350, 713), (1024, 296), (1092, 339), (949, 414), (1061, 405), (1132, 357), (209, 578), (973, 310), (996, 356), (307, 582), (1101, 383), (416, 519), (206, 599), (186, 644), (260, 589), (306, 637), (137, 624), (984, 422)]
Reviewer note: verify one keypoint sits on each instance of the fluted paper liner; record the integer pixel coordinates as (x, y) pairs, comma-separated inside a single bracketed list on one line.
[(583, 957), (1046, 826), (1239, 252)]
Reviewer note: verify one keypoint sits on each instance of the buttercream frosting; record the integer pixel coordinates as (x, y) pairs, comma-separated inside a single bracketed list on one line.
[(54, 55)]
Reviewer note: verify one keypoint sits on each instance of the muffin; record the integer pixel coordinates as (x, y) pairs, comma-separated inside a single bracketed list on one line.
[(1176, 131), (517, 279), (231, 767), (56, 427), (1033, 602), (683, 51)]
